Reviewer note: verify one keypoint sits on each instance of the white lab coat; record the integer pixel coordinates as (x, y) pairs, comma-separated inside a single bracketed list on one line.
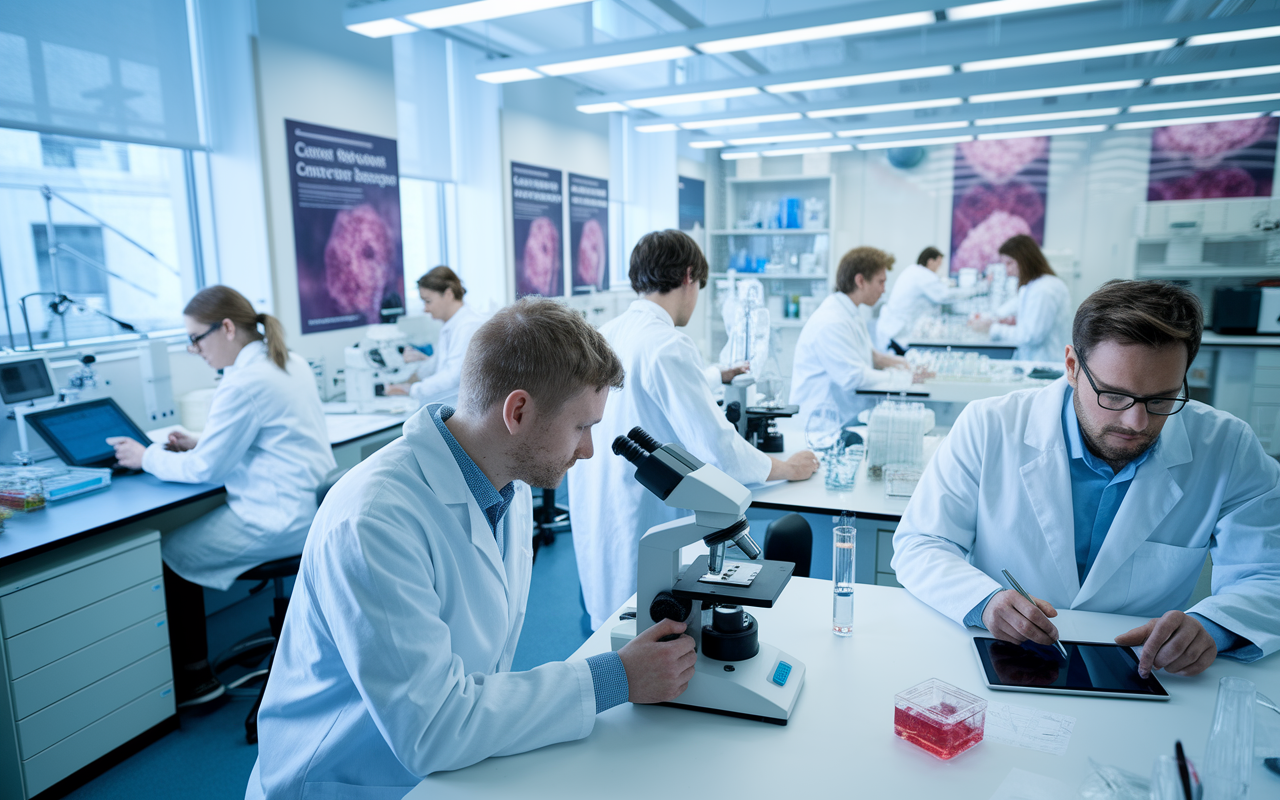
[(395, 658), (916, 292), (267, 442), (667, 394), (1043, 330), (997, 495), (833, 360), (441, 374)]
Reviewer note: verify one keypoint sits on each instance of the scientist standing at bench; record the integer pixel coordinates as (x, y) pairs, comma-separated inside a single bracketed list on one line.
[(1104, 491), (265, 440)]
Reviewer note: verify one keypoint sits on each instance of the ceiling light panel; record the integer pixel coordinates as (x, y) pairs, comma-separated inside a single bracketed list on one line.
[(660, 127), (852, 28), (619, 60), (463, 13), (799, 151), (1219, 75), (692, 97), (793, 137), (861, 80), (508, 75), (883, 108), (1234, 36), (379, 28), (914, 142), (927, 126), (1165, 123), (734, 122), (705, 145), (1044, 132), (737, 156), (601, 108), (1026, 118), (1214, 101), (1083, 54), (1055, 91), (979, 10)]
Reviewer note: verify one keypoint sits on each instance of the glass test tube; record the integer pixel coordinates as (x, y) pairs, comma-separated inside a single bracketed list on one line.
[(842, 558)]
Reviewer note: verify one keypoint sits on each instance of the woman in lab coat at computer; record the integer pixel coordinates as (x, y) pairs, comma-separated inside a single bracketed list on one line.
[(437, 380), (265, 440), (921, 288), (1042, 327)]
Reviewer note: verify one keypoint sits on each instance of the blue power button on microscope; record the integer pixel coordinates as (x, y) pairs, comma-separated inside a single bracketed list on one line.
[(781, 674)]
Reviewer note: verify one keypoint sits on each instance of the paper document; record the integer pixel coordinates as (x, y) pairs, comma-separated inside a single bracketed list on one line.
[(1024, 726)]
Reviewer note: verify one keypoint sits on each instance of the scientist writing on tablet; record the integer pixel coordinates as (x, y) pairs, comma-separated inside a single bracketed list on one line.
[(1104, 491)]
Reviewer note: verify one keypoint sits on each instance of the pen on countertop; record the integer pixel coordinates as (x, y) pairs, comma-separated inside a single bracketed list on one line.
[(1183, 773), (1017, 588)]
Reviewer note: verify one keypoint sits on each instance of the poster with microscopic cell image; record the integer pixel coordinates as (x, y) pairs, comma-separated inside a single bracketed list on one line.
[(346, 227), (589, 233), (537, 217), (1236, 158), (1001, 190)]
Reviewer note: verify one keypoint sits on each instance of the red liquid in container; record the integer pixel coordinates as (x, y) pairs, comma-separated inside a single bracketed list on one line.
[(939, 718)]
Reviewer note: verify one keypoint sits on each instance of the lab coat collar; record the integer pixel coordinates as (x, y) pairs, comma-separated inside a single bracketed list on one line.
[(847, 306), (653, 309), (251, 352)]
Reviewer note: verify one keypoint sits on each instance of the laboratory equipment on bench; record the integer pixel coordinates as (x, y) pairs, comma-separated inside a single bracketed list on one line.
[(373, 364), (736, 673), (755, 423)]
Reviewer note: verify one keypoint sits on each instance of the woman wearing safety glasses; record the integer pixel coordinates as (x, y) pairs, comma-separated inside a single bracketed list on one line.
[(265, 440)]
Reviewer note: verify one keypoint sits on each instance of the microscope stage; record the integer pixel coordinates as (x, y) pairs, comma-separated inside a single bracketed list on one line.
[(762, 592), (735, 573)]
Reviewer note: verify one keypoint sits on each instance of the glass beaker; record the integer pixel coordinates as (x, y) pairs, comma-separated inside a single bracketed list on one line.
[(1228, 757), (843, 548)]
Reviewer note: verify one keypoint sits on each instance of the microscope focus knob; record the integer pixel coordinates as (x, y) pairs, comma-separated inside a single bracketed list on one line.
[(665, 605)]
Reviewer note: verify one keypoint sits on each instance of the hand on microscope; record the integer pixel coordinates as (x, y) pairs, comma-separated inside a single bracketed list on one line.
[(128, 452), (800, 467), (727, 375), (658, 671), (181, 441)]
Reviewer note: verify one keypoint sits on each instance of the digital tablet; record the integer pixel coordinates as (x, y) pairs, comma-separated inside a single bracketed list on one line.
[(1092, 668), (78, 432)]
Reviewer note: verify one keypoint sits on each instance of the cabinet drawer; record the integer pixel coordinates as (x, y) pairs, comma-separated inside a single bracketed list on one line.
[(63, 636), (1267, 376), (884, 551), (49, 726), (1266, 396), (66, 676), (48, 600), (1268, 357), (91, 743)]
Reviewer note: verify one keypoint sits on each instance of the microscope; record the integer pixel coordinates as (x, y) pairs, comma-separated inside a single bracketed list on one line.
[(736, 674), (372, 364), (757, 424)]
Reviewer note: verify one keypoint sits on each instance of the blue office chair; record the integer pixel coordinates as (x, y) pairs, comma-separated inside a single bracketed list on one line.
[(790, 538)]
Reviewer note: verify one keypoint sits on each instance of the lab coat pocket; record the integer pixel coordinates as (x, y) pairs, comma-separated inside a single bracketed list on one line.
[(328, 790), (1163, 577)]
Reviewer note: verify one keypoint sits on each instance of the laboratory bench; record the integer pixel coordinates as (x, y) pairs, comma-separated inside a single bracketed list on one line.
[(840, 739)]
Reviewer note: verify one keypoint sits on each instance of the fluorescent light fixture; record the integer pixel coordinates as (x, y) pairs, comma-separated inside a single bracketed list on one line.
[(860, 80), (925, 126), (791, 137), (659, 127), (978, 10), (736, 156), (600, 108), (1089, 112), (1107, 51), (480, 10), (852, 28), (508, 75), (799, 151), (885, 107), (1214, 101), (1233, 36), (1055, 91), (706, 145), (620, 60), (1168, 123), (1219, 75), (913, 142), (733, 122), (379, 28), (692, 97), (1044, 132)]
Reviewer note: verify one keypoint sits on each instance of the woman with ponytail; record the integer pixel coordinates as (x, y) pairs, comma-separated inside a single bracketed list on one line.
[(265, 440)]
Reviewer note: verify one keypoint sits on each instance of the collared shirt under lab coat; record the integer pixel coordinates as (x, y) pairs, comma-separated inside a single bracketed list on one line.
[(997, 496), (267, 442), (915, 293), (395, 658), (667, 394), (1043, 330), (833, 360), (441, 374)]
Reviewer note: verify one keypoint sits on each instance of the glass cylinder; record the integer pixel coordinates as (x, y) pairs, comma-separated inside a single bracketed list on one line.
[(1228, 757), (1166, 782), (844, 538)]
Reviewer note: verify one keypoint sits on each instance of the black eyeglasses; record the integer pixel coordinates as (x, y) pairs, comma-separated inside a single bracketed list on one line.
[(1119, 401), (195, 340)]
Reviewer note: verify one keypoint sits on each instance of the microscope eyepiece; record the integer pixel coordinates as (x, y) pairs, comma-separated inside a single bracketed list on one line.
[(629, 450), (642, 438)]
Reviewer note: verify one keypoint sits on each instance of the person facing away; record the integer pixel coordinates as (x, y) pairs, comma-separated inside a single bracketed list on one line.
[(1105, 491), (395, 658), (1042, 324), (265, 440), (668, 395), (436, 379), (918, 292)]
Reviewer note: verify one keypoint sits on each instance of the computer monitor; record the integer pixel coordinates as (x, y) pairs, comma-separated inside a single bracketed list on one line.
[(21, 381), (78, 432)]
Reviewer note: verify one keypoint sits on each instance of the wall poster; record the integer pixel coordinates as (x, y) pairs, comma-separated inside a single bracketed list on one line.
[(346, 227), (1001, 189), (589, 233), (1236, 158), (537, 220)]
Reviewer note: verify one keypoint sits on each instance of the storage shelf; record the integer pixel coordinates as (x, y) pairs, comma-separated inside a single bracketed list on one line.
[(772, 276), (771, 232), (1206, 271)]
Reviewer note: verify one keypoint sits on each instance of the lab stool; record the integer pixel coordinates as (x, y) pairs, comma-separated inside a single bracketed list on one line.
[(548, 520), (790, 538)]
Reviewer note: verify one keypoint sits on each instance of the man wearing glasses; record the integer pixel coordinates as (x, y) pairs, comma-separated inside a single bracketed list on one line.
[(1105, 491)]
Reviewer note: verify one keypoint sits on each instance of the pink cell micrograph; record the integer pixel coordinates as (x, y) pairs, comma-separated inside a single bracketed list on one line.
[(356, 259), (1209, 142), (980, 247), (1208, 183), (981, 200), (998, 160), (542, 256), (591, 255)]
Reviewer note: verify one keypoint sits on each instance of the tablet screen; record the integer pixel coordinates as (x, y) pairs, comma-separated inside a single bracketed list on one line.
[(1090, 667), (78, 433)]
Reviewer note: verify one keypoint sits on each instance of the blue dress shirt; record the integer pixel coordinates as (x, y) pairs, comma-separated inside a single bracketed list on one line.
[(608, 677)]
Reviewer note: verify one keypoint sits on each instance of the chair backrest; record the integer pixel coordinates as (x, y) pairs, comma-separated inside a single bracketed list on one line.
[(790, 538), (329, 480)]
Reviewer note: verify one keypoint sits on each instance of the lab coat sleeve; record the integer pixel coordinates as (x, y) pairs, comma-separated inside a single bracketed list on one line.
[(939, 526), (447, 376), (1037, 315), (1246, 549), (234, 421), (376, 590)]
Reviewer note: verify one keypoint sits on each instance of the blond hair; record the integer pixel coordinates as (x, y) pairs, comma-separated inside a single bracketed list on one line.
[(216, 303)]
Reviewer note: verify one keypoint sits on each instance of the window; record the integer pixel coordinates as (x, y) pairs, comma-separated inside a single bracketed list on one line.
[(122, 237), (428, 210)]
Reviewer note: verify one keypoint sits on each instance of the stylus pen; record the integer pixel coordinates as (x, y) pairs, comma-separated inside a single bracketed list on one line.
[(1017, 588), (1183, 773)]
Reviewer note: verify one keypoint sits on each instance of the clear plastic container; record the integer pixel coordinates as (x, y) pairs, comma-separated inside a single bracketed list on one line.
[(939, 718), (22, 493)]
